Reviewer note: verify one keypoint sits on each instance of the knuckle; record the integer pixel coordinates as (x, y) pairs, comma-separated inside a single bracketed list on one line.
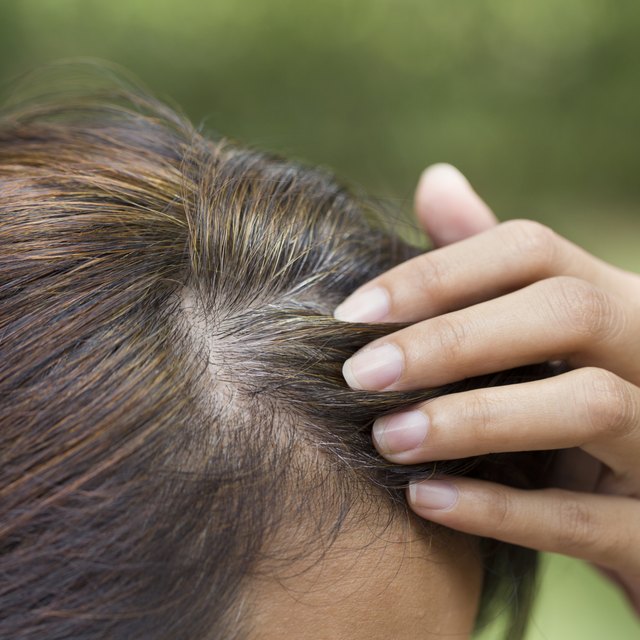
[(576, 527), (498, 509), (477, 413), (535, 242), (429, 274), (582, 308), (580, 530), (452, 338), (610, 407)]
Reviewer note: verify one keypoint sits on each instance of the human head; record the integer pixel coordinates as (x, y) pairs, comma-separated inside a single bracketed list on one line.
[(175, 427)]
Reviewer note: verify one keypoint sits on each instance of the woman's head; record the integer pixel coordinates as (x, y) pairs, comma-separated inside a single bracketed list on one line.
[(179, 448)]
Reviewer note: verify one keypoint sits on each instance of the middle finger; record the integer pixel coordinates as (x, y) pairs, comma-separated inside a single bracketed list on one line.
[(555, 319)]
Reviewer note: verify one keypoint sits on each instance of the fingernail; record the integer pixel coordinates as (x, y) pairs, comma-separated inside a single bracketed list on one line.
[(370, 305), (433, 494), (401, 432), (374, 369)]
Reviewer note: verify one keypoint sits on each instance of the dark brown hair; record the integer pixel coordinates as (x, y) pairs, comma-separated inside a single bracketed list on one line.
[(170, 371)]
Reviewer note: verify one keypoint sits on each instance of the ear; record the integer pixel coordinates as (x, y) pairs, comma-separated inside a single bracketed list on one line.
[(448, 208)]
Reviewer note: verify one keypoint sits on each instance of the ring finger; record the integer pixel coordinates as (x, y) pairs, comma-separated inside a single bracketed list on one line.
[(589, 407)]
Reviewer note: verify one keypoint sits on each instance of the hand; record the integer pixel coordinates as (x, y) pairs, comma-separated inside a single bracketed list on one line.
[(513, 294)]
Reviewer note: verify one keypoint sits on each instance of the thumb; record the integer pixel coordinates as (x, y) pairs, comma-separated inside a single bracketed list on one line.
[(448, 208)]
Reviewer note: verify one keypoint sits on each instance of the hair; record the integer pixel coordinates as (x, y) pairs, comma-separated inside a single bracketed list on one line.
[(170, 372)]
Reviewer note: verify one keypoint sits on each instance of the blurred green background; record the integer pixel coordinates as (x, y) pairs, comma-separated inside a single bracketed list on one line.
[(537, 102)]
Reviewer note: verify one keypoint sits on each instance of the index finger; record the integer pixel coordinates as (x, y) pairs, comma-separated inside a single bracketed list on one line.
[(510, 256)]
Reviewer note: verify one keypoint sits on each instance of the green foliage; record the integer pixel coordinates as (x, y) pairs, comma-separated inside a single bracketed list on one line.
[(532, 99)]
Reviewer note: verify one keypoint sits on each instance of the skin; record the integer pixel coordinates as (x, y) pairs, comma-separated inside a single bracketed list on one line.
[(491, 297), (374, 583)]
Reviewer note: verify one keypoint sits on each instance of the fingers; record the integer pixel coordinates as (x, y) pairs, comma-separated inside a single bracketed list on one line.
[(447, 208), (505, 258), (601, 529), (589, 408), (555, 319)]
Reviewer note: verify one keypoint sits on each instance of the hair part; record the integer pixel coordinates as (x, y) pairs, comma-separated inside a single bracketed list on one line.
[(170, 371)]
